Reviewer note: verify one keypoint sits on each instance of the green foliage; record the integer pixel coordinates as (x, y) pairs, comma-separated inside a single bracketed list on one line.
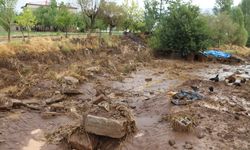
[(182, 29), (151, 14), (80, 22), (223, 6), (133, 16), (46, 16), (26, 20), (226, 30), (64, 18), (241, 35), (7, 15), (245, 7)]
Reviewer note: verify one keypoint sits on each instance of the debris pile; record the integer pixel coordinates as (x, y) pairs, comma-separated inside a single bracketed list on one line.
[(104, 120)]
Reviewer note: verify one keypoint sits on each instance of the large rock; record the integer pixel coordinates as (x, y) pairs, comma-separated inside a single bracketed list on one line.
[(105, 127)]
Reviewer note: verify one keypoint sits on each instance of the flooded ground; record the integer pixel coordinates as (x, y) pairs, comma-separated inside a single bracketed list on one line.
[(146, 93), (40, 103)]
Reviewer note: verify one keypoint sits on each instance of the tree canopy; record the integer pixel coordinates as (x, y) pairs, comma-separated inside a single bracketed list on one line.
[(182, 29), (26, 20), (7, 15)]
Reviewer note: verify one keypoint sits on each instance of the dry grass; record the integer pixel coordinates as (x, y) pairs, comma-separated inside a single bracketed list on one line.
[(237, 50)]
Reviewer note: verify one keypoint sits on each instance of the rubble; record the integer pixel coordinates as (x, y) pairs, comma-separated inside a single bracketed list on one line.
[(80, 141), (182, 124), (148, 79), (71, 92), (105, 127), (55, 99), (70, 80), (184, 97), (171, 142), (99, 99)]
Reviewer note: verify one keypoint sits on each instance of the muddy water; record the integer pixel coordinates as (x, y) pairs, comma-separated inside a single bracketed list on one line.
[(224, 71), (22, 130)]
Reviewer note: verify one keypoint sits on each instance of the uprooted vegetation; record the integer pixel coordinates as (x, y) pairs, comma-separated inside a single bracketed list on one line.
[(47, 61)]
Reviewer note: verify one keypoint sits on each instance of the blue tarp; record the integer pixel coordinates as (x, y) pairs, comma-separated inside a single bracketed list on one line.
[(217, 54)]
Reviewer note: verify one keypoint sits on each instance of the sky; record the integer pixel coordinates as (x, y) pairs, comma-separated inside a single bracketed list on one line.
[(203, 4)]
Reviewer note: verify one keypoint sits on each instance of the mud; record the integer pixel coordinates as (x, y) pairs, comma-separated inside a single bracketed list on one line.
[(122, 74)]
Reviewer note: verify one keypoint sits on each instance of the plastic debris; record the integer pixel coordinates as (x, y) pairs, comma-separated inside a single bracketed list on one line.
[(217, 54), (184, 97)]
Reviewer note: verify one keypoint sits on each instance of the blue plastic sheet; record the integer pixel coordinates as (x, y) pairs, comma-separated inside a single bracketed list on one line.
[(217, 54)]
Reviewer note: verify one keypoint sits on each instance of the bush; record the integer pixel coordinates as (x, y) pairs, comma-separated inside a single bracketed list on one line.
[(181, 30)]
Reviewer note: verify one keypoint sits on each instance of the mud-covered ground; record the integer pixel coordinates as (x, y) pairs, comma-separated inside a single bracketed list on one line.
[(51, 93)]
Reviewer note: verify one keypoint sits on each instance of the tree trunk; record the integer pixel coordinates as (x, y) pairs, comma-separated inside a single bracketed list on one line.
[(22, 34), (66, 33), (28, 33), (9, 35), (110, 30)]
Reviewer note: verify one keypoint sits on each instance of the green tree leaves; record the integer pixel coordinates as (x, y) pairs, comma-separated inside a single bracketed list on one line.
[(26, 20), (64, 18), (182, 29)]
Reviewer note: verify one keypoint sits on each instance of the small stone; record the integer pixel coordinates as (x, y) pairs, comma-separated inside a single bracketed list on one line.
[(188, 146), (151, 93), (57, 92), (171, 142), (71, 80), (2, 141), (133, 107), (100, 99), (200, 135), (237, 117), (148, 79)]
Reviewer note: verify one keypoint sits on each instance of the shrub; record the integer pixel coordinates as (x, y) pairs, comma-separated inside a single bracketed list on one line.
[(181, 30)]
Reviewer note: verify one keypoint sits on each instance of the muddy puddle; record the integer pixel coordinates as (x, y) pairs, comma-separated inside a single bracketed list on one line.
[(22, 130)]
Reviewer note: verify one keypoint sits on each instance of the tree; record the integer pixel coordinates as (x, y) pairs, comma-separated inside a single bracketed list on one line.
[(112, 14), (64, 18), (46, 15), (241, 34), (223, 6), (79, 23), (26, 20), (225, 30), (245, 7), (182, 29), (90, 8), (7, 15), (133, 15)]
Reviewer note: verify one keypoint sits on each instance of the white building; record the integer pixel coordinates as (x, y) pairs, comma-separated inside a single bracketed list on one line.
[(34, 6)]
